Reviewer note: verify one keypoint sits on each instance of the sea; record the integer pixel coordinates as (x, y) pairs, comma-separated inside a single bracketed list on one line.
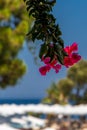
[(20, 101)]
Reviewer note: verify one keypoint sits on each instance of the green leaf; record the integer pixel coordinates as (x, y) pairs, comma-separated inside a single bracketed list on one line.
[(43, 50), (64, 53)]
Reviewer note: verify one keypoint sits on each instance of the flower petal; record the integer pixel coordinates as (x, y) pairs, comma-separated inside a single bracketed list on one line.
[(44, 69), (74, 47), (57, 68), (75, 57), (53, 62), (46, 60), (68, 61), (66, 49), (71, 49)]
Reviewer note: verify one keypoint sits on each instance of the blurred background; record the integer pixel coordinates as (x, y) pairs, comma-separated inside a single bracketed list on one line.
[(14, 24), (20, 80)]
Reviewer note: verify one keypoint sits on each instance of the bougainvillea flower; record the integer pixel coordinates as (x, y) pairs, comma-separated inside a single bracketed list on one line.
[(44, 69), (73, 56), (46, 60), (49, 65), (72, 48), (57, 68)]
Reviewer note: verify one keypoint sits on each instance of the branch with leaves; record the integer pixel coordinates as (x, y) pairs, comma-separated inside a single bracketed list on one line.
[(52, 51)]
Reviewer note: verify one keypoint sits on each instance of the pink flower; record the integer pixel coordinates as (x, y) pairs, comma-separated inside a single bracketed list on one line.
[(49, 65), (57, 68), (44, 69), (73, 56), (46, 60), (72, 48)]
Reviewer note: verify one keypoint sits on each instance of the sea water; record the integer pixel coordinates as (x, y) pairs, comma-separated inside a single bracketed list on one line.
[(20, 101)]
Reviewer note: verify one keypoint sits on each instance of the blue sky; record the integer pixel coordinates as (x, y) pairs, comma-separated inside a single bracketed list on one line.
[(71, 15)]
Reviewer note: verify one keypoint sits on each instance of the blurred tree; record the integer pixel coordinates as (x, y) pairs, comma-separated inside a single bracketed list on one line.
[(14, 24), (52, 95), (78, 74), (65, 87), (59, 93), (72, 89)]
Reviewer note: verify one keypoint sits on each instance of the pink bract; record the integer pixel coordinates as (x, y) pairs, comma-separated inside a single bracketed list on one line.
[(46, 60), (72, 48), (49, 65), (44, 69), (57, 68), (73, 56)]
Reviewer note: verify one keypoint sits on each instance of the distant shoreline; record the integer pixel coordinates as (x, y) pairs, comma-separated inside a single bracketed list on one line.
[(20, 101)]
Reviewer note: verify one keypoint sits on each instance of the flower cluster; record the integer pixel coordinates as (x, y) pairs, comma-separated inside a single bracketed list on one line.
[(71, 58), (49, 65)]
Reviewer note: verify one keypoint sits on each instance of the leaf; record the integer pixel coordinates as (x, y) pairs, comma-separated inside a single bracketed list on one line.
[(43, 50), (51, 2), (60, 57), (32, 11), (64, 53)]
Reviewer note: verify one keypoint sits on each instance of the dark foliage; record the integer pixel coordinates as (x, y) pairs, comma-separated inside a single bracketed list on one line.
[(45, 29)]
